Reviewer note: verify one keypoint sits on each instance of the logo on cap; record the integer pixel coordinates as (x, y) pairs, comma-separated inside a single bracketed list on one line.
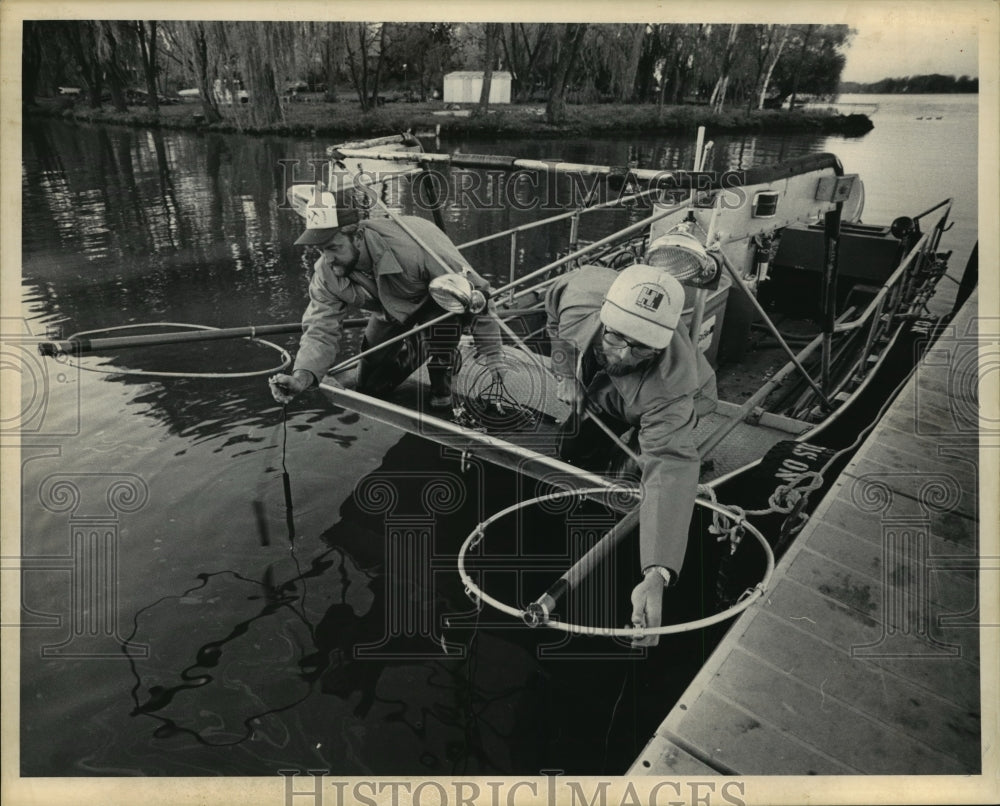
[(649, 298)]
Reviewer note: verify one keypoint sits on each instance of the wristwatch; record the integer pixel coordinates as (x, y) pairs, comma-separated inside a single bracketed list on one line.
[(665, 573)]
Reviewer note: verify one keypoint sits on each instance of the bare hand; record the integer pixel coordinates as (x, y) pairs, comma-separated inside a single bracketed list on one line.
[(647, 608), (285, 387), (570, 392)]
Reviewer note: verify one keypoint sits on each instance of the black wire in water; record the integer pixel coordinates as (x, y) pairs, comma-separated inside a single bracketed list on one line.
[(286, 481), (611, 720)]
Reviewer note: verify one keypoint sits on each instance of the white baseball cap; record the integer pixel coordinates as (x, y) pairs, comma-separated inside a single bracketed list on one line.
[(644, 304), (319, 209)]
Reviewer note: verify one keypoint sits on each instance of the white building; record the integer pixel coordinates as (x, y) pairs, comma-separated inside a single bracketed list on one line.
[(465, 86)]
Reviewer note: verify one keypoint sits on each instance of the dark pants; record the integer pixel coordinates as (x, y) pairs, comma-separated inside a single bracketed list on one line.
[(380, 373), (584, 444)]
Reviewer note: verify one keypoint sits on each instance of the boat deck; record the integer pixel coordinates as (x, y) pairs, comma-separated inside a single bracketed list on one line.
[(863, 658), (527, 384)]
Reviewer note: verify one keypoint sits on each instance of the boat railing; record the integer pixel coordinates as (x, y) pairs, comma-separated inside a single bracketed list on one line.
[(574, 217), (908, 267), (576, 254)]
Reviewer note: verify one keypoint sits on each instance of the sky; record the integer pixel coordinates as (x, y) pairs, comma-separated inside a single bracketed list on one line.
[(878, 52)]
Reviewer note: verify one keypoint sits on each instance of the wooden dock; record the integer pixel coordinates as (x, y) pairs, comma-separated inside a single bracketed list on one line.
[(864, 656)]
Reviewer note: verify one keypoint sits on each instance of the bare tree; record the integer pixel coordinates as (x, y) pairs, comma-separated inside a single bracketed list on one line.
[(365, 45), (524, 48), (569, 48), (492, 31)]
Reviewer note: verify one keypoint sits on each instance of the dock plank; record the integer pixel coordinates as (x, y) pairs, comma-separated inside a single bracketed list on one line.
[(949, 536), (922, 488), (740, 741), (821, 721), (841, 567), (665, 756), (878, 693), (949, 676)]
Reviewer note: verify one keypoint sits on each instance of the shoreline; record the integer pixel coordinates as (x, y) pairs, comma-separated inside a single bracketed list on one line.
[(345, 119)]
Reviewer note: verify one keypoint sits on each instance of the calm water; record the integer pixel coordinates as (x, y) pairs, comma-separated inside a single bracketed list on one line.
[(192, 640)]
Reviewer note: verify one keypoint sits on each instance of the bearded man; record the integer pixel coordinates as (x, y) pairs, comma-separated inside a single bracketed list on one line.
[(619, 345), (375, 264)]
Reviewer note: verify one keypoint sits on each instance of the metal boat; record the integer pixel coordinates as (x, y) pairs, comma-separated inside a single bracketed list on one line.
[(811, 316)]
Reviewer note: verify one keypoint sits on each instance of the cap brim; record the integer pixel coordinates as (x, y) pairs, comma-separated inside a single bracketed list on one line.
[(635, 327), (311, 237)]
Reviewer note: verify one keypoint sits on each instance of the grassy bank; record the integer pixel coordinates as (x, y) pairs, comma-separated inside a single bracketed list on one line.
[(345, 119)]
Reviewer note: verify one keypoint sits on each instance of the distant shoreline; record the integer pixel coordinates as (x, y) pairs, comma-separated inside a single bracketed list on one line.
[(345, 119)]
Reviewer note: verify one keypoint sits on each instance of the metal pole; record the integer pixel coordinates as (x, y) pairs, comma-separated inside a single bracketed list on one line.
[(539, 611), (513, 265), (78, 345), (709, 444), (774, 331), (831, 238)]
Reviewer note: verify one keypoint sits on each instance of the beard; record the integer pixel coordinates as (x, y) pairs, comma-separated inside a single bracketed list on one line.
[(618, 363)]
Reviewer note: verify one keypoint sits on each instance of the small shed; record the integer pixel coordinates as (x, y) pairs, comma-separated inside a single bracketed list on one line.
[(465, 86)]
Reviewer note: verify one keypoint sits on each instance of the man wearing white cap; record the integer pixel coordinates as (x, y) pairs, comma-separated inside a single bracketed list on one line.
[(376, 265), (618, 344)]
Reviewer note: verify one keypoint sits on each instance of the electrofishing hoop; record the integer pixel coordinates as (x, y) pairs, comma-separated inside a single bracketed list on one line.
[(286, 358), (478, 594)]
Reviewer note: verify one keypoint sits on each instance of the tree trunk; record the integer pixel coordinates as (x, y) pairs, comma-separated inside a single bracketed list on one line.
[(147, 50), (31, 63), (113, 69), (629, 90), (569, 47), (379, 62), (83, 42), (492, 34), (330, 62), (722, 85), (358, 63), (802, 55), (209, 104), (770, 70)]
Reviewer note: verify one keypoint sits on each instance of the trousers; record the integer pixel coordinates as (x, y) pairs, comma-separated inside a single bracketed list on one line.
[(381, 372)]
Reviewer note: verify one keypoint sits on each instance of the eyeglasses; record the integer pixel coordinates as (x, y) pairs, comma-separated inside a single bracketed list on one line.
[(616, 339)]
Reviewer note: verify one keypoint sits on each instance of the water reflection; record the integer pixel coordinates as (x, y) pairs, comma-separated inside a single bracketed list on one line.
[(329, 628)]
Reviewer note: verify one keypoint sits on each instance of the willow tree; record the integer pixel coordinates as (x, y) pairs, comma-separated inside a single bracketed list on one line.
[(263, 50), (114, 45), (198, 46), (32, 60), (619, 50), (146, 36)]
